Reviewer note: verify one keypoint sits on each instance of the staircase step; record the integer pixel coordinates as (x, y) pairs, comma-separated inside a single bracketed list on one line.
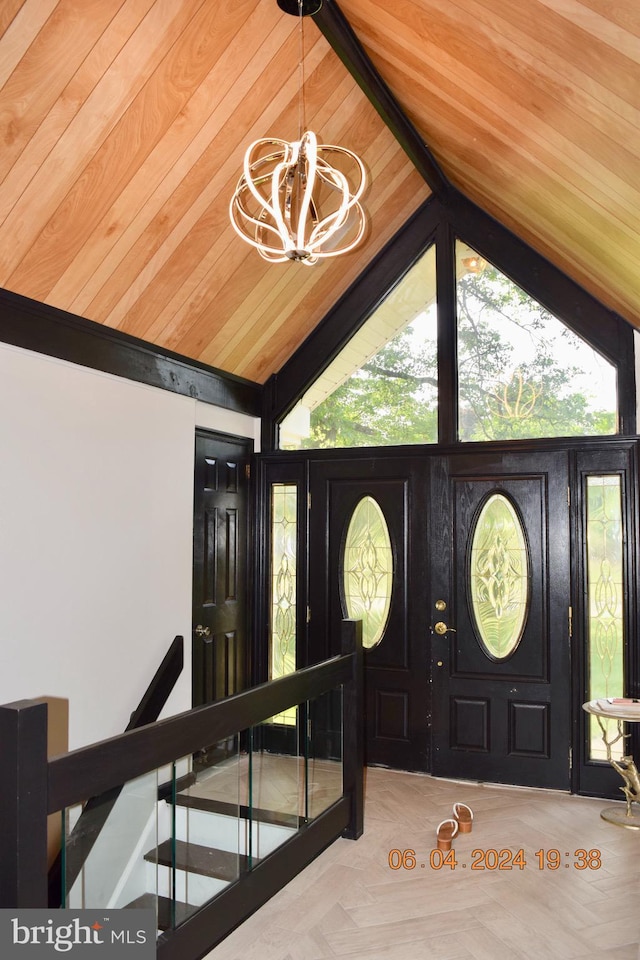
[(275, 817), (165, 790), (163, 905), (206, 861)]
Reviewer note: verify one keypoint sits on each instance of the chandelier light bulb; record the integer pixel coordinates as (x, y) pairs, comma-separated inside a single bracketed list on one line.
[(291, 203)]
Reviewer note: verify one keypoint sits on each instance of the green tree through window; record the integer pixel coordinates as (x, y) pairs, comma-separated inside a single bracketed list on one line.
[(384, 402), (521, 372)]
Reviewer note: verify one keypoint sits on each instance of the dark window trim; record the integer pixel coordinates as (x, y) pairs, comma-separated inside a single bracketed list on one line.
[(426, 450), (447, 334), (47, 330), (596, 777), (603, 329), (325, 342)]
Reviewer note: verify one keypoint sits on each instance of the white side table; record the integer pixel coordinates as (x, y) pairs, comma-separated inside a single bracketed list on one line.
[(622, 713)]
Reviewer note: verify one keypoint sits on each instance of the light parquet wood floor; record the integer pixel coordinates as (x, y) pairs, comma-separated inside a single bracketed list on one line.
[(348, 903)]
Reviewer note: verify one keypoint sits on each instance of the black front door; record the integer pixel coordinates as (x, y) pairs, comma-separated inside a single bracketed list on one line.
[(499, 607), (220, 566), (396, 665)]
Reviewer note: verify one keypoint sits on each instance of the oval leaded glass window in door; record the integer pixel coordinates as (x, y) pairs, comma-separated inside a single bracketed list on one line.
[(367, 570), (498, 565)]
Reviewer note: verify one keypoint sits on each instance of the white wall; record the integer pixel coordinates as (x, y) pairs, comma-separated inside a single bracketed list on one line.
[(96, 514), (228, 421)]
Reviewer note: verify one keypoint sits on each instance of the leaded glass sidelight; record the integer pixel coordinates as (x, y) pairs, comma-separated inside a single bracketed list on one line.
[(605, 620), (284, 534), (499, 577), (368, 570)]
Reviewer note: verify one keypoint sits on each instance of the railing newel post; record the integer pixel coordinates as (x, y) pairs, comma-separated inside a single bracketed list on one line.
[(23, 804), (353, 728)]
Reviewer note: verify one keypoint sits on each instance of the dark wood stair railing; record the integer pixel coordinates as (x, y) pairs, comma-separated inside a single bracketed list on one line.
[(96, 810), (34, 787)]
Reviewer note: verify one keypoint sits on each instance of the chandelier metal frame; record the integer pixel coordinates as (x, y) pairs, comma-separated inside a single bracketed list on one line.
[(291, 202)]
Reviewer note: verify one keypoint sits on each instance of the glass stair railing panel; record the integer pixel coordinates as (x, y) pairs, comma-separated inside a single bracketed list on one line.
[(277, 781), (176, 838), (103, 847), (323, 747), (204, 850)]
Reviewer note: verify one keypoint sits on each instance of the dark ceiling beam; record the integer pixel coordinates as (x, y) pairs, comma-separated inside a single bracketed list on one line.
[(53, 332), (337, 30)]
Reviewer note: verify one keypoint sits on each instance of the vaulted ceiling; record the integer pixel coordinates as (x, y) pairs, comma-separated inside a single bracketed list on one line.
[(123, 126)]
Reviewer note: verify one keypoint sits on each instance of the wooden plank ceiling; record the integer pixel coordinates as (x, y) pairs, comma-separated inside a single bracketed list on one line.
[(124, 127), (124, 124), (532, 108)]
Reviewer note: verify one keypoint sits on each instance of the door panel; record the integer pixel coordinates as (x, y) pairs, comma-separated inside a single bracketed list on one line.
[(502, 719), (396, 678), (219, 566)]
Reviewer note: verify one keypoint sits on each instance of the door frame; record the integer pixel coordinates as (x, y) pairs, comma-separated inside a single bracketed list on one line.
[(393, 721), (586, 778), (596, 778), (246, 444), (498, 720)]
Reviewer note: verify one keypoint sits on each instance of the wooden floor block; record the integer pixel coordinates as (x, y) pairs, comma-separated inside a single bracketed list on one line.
[(349, 903)]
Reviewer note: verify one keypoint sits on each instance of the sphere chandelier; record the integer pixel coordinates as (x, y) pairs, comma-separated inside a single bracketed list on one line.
[(299, 200)]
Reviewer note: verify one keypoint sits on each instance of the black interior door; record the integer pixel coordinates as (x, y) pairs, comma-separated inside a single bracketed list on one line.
[(501, 714), (396, 669), (220, 592)]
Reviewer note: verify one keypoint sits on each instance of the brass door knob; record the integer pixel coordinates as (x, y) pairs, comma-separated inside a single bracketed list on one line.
[(441, 628), (201, 631)]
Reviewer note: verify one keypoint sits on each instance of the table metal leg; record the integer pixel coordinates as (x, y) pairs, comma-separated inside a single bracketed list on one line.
[(629, 772)]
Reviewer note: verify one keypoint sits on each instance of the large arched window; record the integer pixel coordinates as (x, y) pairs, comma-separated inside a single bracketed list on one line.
[(521, 372), (382, 388)]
